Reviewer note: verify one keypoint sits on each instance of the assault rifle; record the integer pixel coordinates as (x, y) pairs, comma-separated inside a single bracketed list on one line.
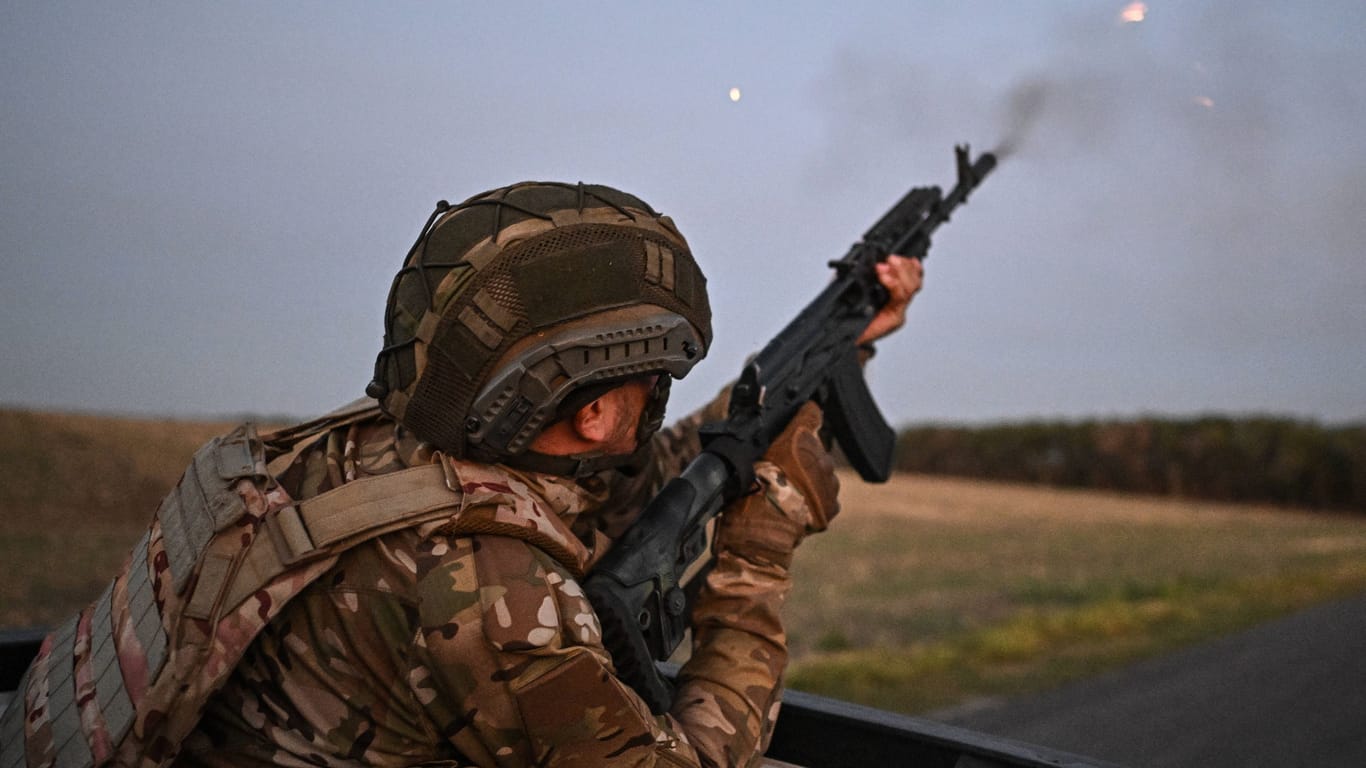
[(636, 588)]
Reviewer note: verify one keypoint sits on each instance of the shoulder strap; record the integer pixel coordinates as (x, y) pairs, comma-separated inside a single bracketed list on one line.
[(340, 519)]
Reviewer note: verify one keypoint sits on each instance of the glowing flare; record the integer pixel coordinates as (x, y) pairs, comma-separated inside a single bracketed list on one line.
[(1134, 13), (735, 94), (1205, 102)]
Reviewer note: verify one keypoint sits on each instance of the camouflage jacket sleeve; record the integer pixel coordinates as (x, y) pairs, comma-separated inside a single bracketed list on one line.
[(517, 674), (512, 666), (730, 689)]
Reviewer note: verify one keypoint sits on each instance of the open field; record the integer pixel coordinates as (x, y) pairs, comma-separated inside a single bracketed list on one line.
[(927, 591), (931, 591), (76, 492)]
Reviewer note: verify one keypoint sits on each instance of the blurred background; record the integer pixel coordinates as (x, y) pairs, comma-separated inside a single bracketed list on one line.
[(203, 204)]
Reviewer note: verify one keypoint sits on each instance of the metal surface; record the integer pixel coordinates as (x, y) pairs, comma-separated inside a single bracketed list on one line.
[(819, 732), (17, 649)]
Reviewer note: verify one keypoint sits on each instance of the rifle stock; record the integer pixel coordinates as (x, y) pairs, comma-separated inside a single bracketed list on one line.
[(636, 588)]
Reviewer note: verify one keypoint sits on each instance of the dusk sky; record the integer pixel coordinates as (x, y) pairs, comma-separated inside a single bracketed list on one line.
[(202, 204)]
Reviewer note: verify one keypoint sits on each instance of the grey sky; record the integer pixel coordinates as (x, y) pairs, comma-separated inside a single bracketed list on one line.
[(202, 204)]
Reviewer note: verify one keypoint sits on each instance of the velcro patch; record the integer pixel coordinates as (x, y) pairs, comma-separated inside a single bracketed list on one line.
[(576, 282)]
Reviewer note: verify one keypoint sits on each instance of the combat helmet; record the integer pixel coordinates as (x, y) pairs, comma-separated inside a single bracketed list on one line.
[(525, 302)]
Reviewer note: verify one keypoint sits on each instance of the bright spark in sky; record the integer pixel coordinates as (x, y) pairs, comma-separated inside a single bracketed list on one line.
[(734, 94), (1134, 13), (1205, 102)]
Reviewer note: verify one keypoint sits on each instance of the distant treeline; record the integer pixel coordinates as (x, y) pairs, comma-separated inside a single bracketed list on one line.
[(1280, 461)]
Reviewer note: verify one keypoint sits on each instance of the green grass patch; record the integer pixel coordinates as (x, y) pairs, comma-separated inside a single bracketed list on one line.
[(1024, 589), (1037, 649)]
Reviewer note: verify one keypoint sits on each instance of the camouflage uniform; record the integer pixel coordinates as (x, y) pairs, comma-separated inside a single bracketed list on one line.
[(384, 603), (427, 646)]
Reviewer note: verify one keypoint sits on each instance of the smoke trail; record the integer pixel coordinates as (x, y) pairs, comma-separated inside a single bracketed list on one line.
[(1024, 105)]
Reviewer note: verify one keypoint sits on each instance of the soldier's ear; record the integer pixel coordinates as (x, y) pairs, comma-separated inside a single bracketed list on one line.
[(596, 421)]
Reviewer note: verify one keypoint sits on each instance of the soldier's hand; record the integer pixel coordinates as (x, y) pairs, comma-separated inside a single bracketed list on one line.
[(903, 278), (797, 495), (807, 465)]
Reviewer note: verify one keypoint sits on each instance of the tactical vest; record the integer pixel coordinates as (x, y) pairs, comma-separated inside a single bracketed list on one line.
[(126, 680)]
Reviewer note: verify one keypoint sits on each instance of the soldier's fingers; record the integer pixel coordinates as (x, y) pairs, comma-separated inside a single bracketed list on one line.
[(902, 277)]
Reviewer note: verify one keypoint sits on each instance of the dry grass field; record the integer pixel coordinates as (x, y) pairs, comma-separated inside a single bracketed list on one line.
[(926, 592), (76, 492)]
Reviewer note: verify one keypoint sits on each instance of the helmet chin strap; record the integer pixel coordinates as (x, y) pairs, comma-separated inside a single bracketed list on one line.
[(579, 465)]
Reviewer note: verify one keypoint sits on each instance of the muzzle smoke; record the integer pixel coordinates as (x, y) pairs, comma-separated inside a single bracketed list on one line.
[(1024, 105)]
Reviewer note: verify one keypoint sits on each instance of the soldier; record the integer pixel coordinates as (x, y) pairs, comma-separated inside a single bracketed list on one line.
[(531, 336)]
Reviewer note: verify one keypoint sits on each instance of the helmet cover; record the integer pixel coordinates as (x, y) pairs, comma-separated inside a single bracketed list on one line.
[(515, 299)]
